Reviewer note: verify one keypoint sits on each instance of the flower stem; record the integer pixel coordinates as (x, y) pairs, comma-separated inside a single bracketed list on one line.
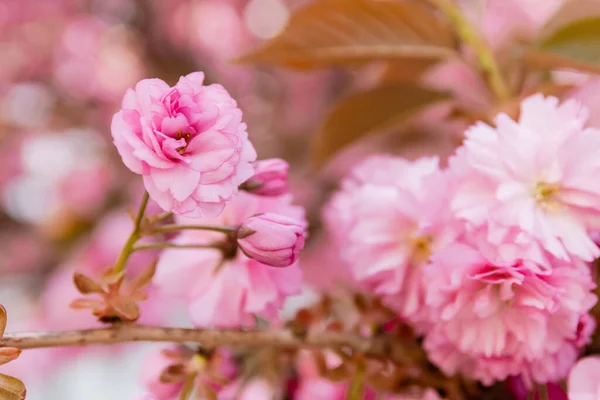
[(133, 237), (166, 245), (485, 56), (174, 228), (188, 387)]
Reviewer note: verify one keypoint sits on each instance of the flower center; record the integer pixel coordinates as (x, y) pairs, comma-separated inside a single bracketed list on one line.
[(186, 137), (546, 195), (421, 247)]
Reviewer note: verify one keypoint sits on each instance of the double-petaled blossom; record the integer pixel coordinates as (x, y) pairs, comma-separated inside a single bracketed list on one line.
[(272, 239), (388, 218), (494, 316), (537, 174), (228, 290), (270, 178), (188, 142)]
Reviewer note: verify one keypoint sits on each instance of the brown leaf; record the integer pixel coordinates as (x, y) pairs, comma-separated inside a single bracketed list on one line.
[(11, 388), (144, 278), (8, 354), (405, 71), (86, 285), (3, 318), (81, 304), (174, 374), (125, 308), (570, 12), (368, 112), (341, 32), (570, 39)]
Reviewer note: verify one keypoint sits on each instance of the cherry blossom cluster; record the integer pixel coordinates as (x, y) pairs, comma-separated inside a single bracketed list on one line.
[(488, 258)]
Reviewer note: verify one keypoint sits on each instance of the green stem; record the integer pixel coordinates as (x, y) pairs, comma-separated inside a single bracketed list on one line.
[(165, 245), (174, 228), (188, 387), (469, 35), (133, 237), (356, 389)]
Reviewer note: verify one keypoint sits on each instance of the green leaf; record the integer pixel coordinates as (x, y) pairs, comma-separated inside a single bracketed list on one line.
[(11, 388), (342, 32), (570, 39), (369, 112)]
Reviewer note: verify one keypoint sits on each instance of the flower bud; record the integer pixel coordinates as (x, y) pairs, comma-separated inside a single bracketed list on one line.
[(269, 179), (271, 239)]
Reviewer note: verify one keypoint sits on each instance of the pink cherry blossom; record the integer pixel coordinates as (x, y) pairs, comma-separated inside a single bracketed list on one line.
[(536, 175), (152, 368), (272, 239), (584, 379), (228, 292), (188, 142), (495, 316), (388, 218)]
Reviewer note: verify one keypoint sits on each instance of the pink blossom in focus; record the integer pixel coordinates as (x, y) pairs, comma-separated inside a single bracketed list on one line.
[(270, 178), (188, 142), (495, 316), (231, 295), (390, 215), (536, 175), (584, 379), (272, 239)]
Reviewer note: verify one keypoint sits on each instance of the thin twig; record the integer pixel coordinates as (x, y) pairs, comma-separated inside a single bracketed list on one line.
[(385, 348), (175, 228), (485, 56), (164, 245)]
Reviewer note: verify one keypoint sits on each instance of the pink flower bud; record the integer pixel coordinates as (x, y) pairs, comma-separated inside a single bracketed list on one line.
[(269, 179), (272, 239)]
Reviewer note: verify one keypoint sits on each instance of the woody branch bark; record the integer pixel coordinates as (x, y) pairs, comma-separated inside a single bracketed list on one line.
[(381, 347)]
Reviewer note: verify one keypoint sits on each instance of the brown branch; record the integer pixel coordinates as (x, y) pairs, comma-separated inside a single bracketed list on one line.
[(382, 347)]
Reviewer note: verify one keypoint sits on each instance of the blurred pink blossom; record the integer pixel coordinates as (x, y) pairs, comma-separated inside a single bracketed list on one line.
[(96, 60), (584, 379), (188, 142), (152, 368)]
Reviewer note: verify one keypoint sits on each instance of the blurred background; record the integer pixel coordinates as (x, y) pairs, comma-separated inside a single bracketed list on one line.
[(64, 194)]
